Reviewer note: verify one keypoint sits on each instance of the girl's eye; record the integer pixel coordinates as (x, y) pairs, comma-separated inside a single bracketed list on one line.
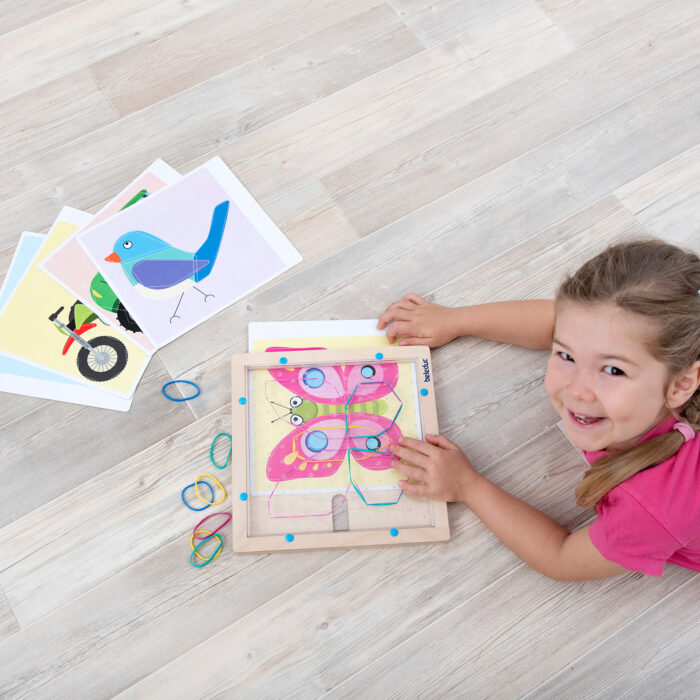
[(614, 371), (565, 356)]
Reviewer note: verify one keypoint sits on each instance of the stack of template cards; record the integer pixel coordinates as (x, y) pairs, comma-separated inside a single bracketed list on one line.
[(83, 308)]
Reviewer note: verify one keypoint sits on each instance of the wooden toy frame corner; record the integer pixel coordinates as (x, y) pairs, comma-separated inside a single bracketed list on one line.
[(244, 504)]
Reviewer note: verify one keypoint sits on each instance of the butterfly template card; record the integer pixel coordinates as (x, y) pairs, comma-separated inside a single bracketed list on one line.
[(188, 251), (74, 270), (314, 428)]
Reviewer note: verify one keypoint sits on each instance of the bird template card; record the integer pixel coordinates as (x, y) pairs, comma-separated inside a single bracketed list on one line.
[(188, 251), (17, 377), (71, 267), (45, 325)]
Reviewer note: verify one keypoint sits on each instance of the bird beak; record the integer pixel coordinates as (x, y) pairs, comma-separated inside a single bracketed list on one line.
[(113, 257)]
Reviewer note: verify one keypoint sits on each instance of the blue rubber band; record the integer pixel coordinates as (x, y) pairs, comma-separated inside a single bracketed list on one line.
[(423, 392), (216, 551), (189, 486), (180, 381), (228, 457)]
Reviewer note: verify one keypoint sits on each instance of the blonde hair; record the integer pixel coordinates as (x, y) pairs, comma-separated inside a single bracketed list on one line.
[(660, 282)]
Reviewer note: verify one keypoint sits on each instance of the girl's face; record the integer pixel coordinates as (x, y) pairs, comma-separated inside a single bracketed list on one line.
[(606, 386)]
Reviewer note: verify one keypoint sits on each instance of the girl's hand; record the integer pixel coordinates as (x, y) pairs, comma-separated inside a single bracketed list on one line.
[(420, 321), (438, 464)]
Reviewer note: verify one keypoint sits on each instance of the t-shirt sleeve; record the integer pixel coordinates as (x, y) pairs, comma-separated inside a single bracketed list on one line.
[(626, 533)]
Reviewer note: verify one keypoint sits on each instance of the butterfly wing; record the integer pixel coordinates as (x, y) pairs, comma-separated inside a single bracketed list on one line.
[(370, 381), (321, 384), (315, 450), (369, 439)]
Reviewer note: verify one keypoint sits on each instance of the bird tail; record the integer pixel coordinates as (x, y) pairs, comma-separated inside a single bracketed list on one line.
[(210, 248)]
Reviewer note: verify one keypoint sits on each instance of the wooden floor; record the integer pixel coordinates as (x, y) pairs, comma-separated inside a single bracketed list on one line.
[(468, 150)]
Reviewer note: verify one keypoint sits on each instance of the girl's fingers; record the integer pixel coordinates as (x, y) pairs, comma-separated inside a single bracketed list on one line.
[(416, 341), (415, 298), (409, 471), (440, 441), (411, 456), (398, 328), (417, 445), (414, 489)]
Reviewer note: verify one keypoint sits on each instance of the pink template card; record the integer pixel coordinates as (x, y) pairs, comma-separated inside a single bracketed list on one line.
[(188, 251), (73, 269)]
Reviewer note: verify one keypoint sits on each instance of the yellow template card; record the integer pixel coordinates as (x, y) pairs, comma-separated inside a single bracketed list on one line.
[(105, 359)]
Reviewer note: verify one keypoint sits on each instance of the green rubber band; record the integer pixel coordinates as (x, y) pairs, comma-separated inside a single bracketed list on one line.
[(206, 561), (228, 457)]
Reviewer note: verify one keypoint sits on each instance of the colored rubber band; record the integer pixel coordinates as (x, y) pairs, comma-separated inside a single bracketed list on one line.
[(289, 537), (244, 496), (212, 557), (423, 392), (189, 486), (242, 400), (203, 520), (380, 355), (211, 452), (209, 534), (179, 381), (217, 482)]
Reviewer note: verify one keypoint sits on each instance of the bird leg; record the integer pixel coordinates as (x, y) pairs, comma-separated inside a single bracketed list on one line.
[(176, 308), (206, 296)]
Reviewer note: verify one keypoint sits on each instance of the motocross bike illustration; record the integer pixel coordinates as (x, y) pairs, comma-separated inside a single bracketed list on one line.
[(100, 358)]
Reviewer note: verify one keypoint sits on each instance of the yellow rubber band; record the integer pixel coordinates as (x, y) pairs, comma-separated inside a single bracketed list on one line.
[(206, 532), (217, 482)]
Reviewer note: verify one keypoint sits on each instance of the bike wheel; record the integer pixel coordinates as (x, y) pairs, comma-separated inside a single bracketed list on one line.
[(112, 362)]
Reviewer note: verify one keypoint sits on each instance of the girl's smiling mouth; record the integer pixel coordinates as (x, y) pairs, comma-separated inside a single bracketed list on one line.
[(584, 421)]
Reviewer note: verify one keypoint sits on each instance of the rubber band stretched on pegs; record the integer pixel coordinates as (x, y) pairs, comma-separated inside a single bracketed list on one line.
[(211, 558), (210, 534), (203, 520), (217, 482), (179, 381), (228, 457), (189, 486)]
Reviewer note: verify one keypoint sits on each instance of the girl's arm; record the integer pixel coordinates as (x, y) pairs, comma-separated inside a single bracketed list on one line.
[(444, 472), (527, 323)]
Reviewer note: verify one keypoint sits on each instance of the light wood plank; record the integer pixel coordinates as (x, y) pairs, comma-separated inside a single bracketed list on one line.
[(88, 31), (458, 148), (17, 13), (8, 621), (435, 21), (395, 103), (586, 20), (71, 443), (237, 33), (51, 115), (657, 649), (667, 198)]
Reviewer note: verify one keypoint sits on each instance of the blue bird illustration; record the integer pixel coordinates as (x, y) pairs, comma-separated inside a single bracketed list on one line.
[(158, 270)]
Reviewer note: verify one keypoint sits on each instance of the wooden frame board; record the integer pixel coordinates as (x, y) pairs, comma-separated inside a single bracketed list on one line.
[(353, 500)]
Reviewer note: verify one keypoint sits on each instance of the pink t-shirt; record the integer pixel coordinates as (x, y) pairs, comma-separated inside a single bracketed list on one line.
[(654, 516)]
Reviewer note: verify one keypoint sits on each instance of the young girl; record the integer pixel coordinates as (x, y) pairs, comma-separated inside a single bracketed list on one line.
[(623, 374)]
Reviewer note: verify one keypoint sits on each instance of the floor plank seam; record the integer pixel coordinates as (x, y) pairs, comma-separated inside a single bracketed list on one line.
[(396, 647), (106, 98), (563, 670)]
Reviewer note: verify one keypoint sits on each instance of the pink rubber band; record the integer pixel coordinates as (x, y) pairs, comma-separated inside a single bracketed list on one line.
[(687, 432)]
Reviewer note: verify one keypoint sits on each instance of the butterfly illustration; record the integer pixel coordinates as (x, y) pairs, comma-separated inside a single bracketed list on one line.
[(318, 444)]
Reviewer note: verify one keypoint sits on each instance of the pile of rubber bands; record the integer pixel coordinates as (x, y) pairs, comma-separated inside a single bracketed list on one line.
[(203, 536)]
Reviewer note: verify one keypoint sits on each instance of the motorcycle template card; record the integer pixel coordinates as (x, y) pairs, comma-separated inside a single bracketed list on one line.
[(45, 325), (17, 377)]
